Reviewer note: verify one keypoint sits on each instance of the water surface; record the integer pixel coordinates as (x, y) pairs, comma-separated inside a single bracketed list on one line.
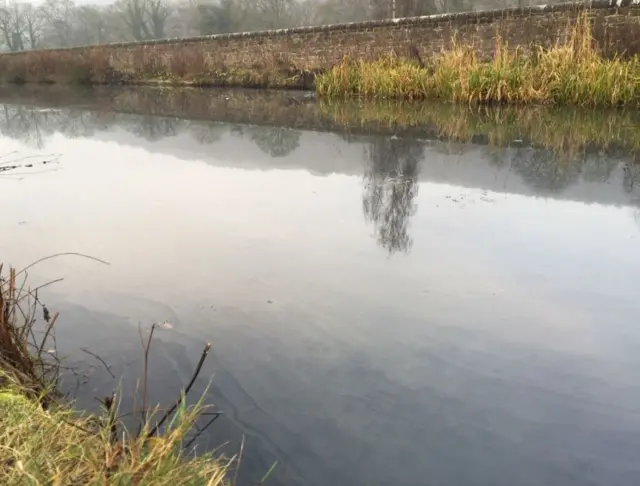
[(386, 305)]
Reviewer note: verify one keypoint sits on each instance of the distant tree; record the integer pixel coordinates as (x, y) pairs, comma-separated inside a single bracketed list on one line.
[(58, 22), (382, 9), (12, 25), (337, 11), (32, 21), (184, 20), (218, 18), (133, 14), (453, 6), (158, 11), (276, 13), (305, 12), (91, 25)]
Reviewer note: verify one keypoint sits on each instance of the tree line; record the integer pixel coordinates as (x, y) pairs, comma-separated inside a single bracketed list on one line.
[(65, 23)]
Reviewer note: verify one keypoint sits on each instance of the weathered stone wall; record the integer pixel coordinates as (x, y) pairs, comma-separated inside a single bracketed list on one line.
[(616, 28)]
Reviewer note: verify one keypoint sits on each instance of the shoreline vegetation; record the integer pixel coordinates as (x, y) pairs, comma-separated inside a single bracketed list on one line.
[(571, 73), (43, 440)]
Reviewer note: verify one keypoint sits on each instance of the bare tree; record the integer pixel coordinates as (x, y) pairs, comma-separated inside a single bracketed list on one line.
[(91, 25), (276, 13), (336, 11), (305, 12), (12, 25), (145, 19), (134, 16), (32, 21), (58, 16), (158, 12), (185, 20), (453, 6)]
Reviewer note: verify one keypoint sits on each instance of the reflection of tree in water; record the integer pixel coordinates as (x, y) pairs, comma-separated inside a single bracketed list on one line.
[(153, 128), (598, 166), (30, 125), (542, 169), (277, 142), (631, 175), (207, 133), (390, 189)]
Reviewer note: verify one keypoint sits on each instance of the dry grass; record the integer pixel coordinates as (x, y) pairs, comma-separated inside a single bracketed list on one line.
[(563, 130), (42, 441), (572, 73)]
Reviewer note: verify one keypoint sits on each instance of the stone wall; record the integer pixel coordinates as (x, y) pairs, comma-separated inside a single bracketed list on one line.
[(616, 28)]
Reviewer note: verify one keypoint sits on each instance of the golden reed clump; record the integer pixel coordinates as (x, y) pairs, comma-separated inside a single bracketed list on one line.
[(572, 73)]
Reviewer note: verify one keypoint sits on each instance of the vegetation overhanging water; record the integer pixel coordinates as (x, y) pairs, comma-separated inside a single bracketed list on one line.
[(44, 440)]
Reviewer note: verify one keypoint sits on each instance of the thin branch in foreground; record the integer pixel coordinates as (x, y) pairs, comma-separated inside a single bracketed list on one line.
[(51, 282), (46, 333), (237, 470), (106, 366), (56, 255), (145, 373), (200, 431), (203, 357)]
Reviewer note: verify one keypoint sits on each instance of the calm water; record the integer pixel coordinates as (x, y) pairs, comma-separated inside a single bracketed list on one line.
[(384, 309)]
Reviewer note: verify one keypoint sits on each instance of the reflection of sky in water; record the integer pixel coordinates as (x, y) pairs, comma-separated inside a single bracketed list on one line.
[(501, 349)]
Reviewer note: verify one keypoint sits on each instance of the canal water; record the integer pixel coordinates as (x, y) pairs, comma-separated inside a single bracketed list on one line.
[(447, 301)]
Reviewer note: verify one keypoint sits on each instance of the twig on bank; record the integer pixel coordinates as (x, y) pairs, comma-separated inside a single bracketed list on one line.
[(203, 357), (147, 347), (237, 470), (46, 333), (109, 405), (216, 415)]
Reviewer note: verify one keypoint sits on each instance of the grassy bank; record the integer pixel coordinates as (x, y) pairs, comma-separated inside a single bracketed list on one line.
[(571, 73), (43, 441), (57, 447)]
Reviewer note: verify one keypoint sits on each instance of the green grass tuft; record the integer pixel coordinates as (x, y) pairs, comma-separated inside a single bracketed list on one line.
[(56, 447)]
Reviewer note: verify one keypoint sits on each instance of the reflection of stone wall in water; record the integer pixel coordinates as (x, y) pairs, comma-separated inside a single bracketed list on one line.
[(391, 185)]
